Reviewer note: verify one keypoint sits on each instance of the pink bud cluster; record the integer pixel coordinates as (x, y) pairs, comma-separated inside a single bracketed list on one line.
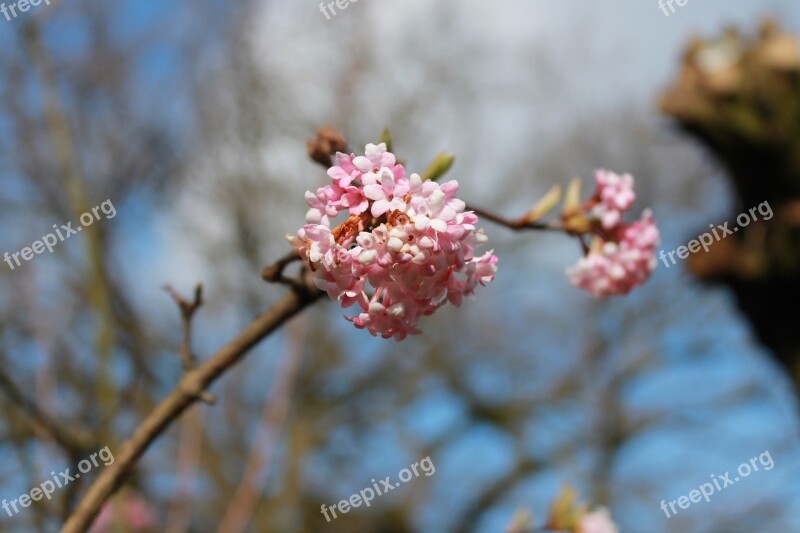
[(622, 255), (406, 249)]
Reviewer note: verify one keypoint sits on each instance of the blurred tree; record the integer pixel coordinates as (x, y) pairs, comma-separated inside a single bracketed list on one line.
[(740, 97)]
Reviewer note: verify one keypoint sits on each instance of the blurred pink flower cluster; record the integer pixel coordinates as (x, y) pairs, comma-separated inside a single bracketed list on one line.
[(406, 248), (597, 521), (614, 196), (621, 255), (129, 513)]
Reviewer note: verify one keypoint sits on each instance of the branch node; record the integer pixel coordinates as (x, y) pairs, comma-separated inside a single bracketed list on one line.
[(207, 398), (274, 273), (188, 310)]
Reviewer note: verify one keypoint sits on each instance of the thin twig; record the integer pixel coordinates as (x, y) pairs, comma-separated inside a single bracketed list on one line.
[(521, 224), (517, 224), (187, 312)]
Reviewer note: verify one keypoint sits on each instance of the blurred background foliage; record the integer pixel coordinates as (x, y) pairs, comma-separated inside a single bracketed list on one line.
[(192, 117)]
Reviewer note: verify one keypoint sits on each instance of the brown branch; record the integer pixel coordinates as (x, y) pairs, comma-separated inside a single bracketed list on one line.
[(186, 393), (516, 224), (521, 224), (274, 272)]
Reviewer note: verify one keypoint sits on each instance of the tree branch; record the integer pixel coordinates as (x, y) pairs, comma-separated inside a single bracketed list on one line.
[(191, 435), (186, 393), (516, 225)]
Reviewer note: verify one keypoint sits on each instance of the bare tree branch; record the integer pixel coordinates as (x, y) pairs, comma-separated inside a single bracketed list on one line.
[(186, 393)]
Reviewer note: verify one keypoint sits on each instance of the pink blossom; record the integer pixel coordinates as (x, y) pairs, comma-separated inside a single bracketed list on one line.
[(351, 173), (614, 196), (407, 248), (622, 255), (321, 205), (353, 200), (375, 157), (620, 262), (130, 513), (598, 521), (344, 171), (386, 193)]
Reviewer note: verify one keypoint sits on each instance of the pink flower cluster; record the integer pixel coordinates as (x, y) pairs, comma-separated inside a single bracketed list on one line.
[(622, 255), (406, 249), (131, 513), (614, 196), (598, 521)]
